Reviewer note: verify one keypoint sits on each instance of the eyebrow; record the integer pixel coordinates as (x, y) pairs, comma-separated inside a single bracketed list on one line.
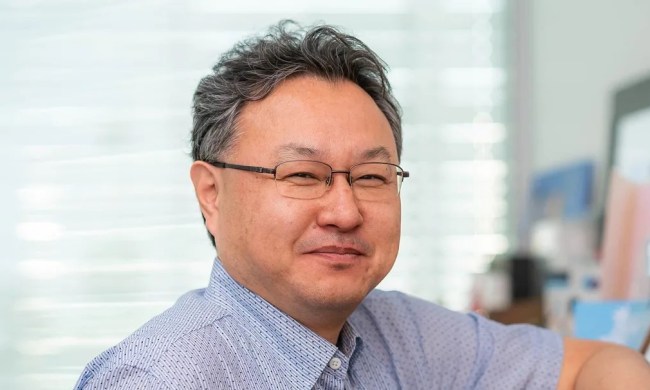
[(378, 152), (293, 150)]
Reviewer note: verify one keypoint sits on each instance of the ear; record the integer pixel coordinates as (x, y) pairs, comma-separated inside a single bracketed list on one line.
[(207, 181)]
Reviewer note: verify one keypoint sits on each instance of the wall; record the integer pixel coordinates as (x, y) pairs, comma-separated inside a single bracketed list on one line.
[(580, 51)]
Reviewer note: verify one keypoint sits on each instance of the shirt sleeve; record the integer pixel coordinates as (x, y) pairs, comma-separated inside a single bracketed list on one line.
[(515, 356)]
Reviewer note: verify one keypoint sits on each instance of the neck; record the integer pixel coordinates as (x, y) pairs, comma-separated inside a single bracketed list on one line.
[(329, 330)]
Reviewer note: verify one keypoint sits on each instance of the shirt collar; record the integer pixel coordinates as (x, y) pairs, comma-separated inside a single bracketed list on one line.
[(349, 340), (308, 352)]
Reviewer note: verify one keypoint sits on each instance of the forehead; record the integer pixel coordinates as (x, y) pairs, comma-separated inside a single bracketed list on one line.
[(312, 117)]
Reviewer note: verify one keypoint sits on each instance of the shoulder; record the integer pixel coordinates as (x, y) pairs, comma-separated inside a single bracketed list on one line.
[(404, 322), (145, 356), (479, 352), (392, 307)]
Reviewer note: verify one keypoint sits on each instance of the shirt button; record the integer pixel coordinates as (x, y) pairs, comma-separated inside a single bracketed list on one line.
[(335, 363)]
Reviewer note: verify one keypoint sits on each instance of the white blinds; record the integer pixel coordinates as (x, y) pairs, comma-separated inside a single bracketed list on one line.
[(100, 230)]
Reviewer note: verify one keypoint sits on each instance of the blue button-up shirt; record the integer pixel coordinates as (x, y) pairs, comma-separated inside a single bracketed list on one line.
[(226, 337)]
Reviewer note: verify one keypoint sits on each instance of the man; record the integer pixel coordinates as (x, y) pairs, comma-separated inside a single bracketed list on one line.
[(297, 143)]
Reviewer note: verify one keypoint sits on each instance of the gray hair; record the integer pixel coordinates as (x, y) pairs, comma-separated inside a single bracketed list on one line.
[(254, 67)]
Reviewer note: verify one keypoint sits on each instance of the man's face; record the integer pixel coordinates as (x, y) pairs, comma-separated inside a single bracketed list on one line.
[(313, 255)]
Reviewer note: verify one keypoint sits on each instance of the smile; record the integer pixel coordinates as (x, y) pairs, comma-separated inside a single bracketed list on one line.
[(336, 250)]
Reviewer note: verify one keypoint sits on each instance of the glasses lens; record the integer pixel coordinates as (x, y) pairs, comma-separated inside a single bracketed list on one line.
[(376, 181), (302, 179)]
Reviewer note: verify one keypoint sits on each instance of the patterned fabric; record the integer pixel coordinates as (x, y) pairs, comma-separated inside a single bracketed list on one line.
[(226, 337)]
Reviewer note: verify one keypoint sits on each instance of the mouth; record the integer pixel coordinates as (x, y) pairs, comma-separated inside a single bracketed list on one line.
[(337, 250)]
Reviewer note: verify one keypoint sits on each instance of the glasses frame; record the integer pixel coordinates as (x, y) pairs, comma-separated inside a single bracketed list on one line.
[(272, 171)]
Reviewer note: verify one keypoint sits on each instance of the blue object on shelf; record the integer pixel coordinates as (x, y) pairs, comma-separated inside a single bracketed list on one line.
[(572, 185)]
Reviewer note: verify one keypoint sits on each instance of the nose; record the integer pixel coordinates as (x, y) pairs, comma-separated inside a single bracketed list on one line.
[(339, 206)]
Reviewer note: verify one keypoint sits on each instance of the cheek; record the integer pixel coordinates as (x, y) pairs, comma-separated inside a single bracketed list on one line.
[(383, 221), (275, 223), (386, 234), (239, 213)]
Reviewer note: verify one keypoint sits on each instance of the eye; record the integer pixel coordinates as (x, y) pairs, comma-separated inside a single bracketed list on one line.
[(303, 175), (302, 178), (371, 180)]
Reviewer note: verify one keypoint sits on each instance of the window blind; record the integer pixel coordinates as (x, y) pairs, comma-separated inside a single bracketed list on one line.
[(100, 228)]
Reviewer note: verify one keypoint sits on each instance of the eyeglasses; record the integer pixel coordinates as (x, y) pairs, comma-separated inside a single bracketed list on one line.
[(305, 179)]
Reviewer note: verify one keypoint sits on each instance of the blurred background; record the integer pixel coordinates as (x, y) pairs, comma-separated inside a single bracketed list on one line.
[(510, 128)]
